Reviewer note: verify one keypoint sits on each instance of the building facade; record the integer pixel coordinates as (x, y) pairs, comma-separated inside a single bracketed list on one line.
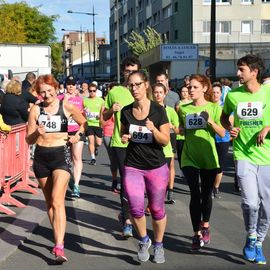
[(86, 56), (188, 21)]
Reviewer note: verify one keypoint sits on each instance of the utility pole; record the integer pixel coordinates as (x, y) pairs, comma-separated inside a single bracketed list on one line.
[(213, 42), (117, 41)]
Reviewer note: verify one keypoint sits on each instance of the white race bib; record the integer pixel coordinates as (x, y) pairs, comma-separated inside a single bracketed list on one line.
[(195, 121), (72, 122), (92, 115), (250, 110), (52, 123), (140, 134)]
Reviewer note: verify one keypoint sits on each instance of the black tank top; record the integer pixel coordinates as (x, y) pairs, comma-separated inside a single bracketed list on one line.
[(53, 123)]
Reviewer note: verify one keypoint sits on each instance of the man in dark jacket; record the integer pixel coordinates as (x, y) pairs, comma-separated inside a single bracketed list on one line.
[(26, 84)]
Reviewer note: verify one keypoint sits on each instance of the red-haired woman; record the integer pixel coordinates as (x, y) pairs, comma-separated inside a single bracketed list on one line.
[(47, 128), (201, 121)]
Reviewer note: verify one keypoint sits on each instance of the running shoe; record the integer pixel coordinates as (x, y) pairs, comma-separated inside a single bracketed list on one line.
[(76, 191), (93, 162), (249, 249), (170, 197), (159, 254), (147, 211), (197, 242), (96, 151), (259, 259), (53, 250), (216, 193), (71, 182), (114, 188), (143, 254), (127, 231), (205, 235), (60, 256)]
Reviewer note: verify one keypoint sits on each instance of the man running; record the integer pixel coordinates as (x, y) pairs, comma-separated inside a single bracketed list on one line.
[(250, 104)]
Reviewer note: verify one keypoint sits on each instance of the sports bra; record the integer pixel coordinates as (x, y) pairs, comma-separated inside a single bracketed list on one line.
[(53, 123)]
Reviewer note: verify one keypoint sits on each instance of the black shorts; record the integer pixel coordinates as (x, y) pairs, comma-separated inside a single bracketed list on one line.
[(173, 141), (74, 132), (222, 151), (48, 159), (168, 161), (92, 130)]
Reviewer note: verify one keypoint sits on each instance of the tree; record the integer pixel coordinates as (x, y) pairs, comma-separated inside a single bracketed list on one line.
[(57, 60), (21, 23), (142, 43)]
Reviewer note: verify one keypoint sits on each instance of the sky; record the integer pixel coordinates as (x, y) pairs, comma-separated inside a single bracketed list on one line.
[(75, 21)]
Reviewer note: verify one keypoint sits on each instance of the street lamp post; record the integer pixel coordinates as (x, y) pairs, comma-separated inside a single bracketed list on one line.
[(117, 41), (78, 31), (93, 14)]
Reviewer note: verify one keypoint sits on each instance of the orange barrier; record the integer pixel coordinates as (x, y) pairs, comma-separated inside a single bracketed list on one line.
[(15, 161)]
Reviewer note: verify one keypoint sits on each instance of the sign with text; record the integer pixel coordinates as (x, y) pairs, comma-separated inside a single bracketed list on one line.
[(178, 52)]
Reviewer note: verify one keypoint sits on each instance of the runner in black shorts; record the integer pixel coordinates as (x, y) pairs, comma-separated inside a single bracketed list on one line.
[(48, 129)]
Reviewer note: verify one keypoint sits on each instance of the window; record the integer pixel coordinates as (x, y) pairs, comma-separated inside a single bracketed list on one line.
[(176, 7), (222, 27), (206, 27), (247, 2), (176, 34), (221, 2), (167, 11), (266, 1), (246, 27), (265, 26)]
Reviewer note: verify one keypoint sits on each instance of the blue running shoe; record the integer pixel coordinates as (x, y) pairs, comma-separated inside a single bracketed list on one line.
[(259, 259), (249, 249), (76, 191), (127, 231)]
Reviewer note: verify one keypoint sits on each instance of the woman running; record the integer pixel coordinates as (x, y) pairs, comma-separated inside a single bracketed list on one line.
[(145, 126), (201, 121), (48, 129)]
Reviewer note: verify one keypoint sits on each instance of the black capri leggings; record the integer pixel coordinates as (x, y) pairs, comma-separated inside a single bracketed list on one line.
[(222, 151), (200, 206)]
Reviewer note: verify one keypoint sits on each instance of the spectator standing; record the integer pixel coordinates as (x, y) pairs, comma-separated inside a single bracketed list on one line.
[(14, 109), (26, 85)]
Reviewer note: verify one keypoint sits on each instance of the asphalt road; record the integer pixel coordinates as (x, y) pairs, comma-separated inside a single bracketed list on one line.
[(93, 239)]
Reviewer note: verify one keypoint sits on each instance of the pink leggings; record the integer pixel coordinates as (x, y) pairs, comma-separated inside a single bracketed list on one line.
[(155, 183)]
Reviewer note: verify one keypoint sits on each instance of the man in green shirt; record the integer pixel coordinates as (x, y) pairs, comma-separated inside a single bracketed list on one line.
[(250, 104), (117, 98)]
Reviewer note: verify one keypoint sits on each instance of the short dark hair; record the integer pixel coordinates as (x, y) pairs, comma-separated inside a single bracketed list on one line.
[(30, 76), (130, 61), (253, 62), (163, 73)]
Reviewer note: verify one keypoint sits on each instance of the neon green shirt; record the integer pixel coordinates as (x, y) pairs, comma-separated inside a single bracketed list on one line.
[(92, 108), (174, 120), (123, 96), (251, 114), (199, 149), (179, 136)]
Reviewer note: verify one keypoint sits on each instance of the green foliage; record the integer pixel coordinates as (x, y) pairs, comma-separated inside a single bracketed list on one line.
[(142, 43), (21, 23), (57, 60)]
